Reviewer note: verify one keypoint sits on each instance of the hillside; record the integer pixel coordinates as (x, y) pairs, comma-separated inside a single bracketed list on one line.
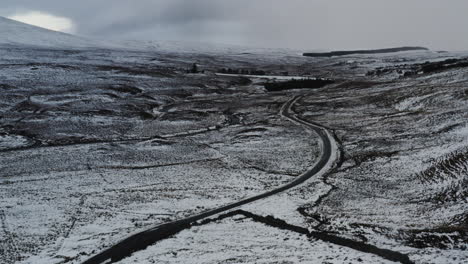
[(13, 33)]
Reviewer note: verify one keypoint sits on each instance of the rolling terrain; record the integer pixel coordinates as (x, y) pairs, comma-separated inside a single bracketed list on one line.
[(99, 144)]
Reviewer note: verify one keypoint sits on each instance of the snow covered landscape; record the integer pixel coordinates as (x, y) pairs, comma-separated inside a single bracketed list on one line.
[(170, 152)]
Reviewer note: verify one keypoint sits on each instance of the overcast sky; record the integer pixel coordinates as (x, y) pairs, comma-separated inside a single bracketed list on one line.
[(303, 24)]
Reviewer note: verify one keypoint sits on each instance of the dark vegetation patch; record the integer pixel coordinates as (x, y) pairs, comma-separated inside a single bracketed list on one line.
[(461, 94), (297, 84), (407, 70), (232, 118), (242, 71), (146, 115), (240, 138), (374, 228), (186, 115), (103, 112), (403, 70), (26, 106), (253, 72), (429, 67), (71, 52), (6, 86), (124, 88), (253, 130), (241, 81), (451, 169), (244, 134), (456, 192), (357, 85), (36, 66), (138, 70), (111, 95), (448, 128), (177, 92), (372, 156), (142, 110), (443, 237), (352, 52), (194, 69), (308, 213), (450, 166)]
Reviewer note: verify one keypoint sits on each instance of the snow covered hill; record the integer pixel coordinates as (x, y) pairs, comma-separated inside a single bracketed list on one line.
[(13, 32)]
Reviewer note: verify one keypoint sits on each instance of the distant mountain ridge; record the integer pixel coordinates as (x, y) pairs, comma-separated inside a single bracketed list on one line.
[(353, 52), (17, 33), (13, 32)]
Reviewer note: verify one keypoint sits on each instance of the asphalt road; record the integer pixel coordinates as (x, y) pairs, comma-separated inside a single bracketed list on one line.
[(146, 238)]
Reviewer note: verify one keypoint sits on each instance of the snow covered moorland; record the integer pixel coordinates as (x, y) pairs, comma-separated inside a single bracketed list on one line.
[(100, 143)]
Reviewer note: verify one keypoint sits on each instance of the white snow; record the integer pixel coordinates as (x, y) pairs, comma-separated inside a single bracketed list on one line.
[(13, 33), (240, 240), (13, 141), (412, 103)]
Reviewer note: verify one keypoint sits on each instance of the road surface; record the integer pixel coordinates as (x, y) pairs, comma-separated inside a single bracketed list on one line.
[(146, 238)]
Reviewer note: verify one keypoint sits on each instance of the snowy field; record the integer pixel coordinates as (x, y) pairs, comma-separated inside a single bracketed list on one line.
[(100, 143)]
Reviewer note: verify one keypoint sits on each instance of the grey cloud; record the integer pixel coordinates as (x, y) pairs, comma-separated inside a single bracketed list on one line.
[(306, 24)]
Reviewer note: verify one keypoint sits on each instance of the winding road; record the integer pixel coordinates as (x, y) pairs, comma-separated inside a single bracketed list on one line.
[(142, 240)]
